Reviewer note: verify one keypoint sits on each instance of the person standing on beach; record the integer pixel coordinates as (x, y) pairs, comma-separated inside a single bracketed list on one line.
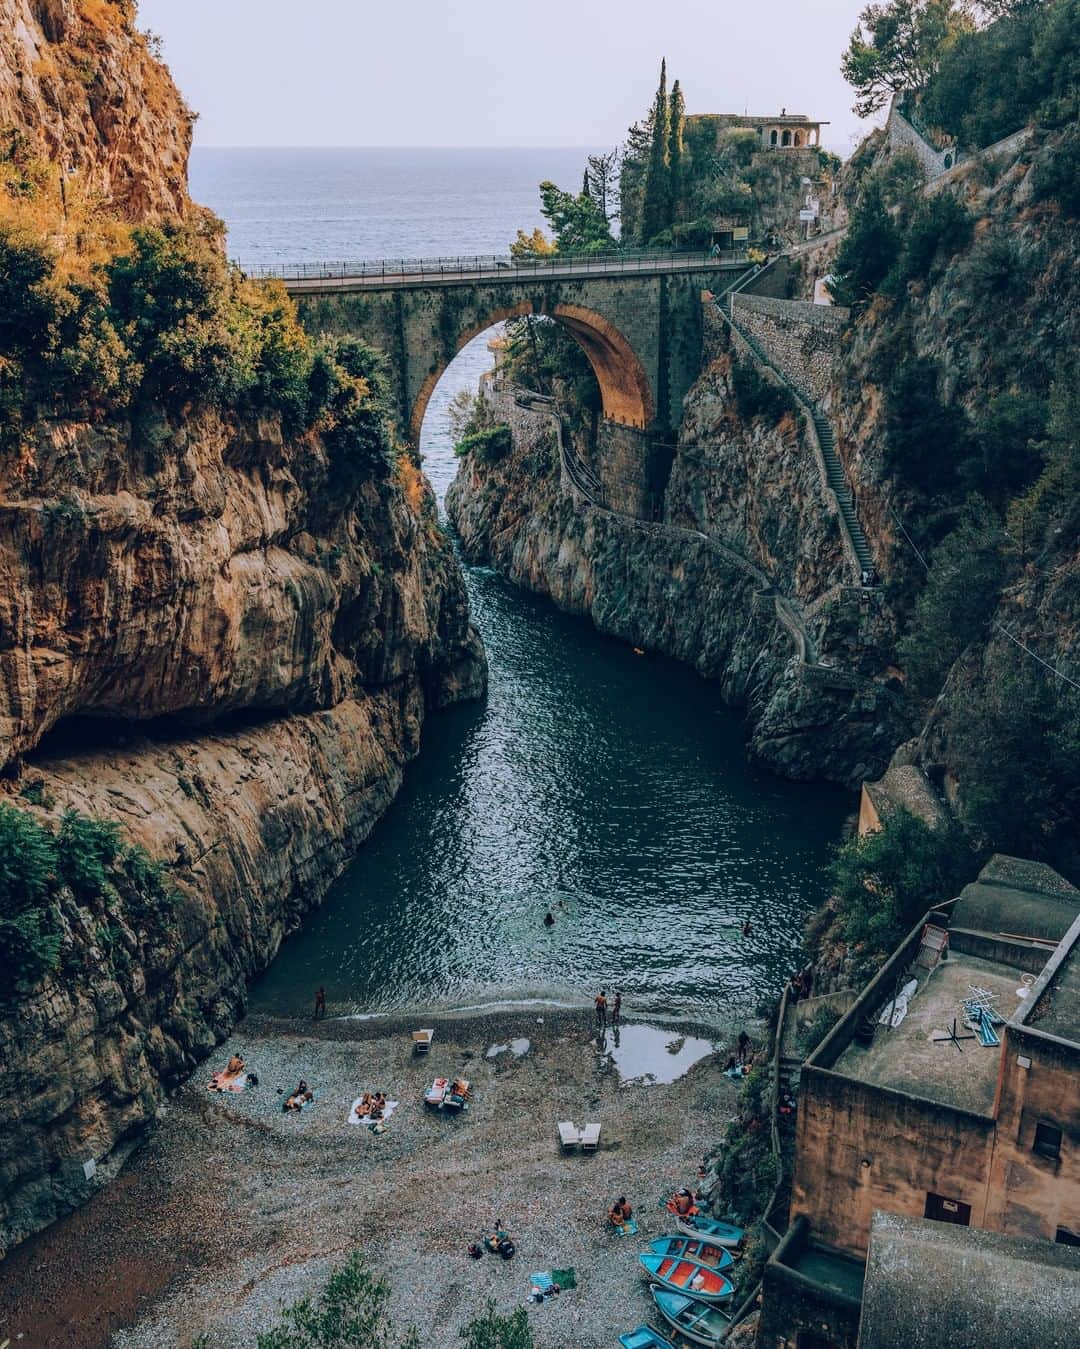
[(616, 1008), (320, 1002), (601, 1009)]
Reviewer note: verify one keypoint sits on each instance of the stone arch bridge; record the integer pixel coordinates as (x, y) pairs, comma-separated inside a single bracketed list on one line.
[(637, 317)]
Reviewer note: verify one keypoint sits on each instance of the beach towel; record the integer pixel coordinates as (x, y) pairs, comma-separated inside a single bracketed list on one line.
[(354, 1118), (225, 1081), (628, 1229), (565, 1278)]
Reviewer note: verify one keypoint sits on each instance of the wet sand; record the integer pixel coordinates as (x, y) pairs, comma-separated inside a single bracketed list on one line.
[(233, 1209)]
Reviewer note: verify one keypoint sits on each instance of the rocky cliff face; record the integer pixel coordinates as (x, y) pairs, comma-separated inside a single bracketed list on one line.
[(79, 82), (255, 650), (223, 638), (743, 577)]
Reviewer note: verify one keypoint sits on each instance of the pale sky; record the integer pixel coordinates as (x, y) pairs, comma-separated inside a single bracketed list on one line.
[(494, 72)]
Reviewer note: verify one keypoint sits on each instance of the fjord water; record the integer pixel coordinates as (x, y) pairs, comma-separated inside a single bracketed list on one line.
[(610, 787)]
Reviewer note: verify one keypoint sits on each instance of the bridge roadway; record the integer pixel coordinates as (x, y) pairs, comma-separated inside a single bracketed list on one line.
[(415, 273)]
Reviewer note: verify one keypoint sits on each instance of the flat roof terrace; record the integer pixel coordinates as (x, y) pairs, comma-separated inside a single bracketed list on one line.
[(909, 1059)]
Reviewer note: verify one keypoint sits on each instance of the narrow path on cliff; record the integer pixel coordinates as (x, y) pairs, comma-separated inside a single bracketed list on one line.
[(610, 787)]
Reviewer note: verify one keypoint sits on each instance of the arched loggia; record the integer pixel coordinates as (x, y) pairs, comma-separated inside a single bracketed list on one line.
[(626, 397)]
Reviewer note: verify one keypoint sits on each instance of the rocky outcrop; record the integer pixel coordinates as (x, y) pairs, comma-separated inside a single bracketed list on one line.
[(206, 566), (212, 639), (744, 577), (79, 82)]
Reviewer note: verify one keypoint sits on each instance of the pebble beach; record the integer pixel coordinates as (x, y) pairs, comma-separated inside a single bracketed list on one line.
[(235, 1209)]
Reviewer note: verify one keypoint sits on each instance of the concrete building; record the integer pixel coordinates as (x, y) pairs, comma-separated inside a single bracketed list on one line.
[(904, 1109), (975, 1289), (786, 131)]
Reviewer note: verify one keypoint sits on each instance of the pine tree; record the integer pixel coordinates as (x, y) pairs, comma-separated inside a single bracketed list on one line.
[(677, 115), (656, 210), (585, 185)]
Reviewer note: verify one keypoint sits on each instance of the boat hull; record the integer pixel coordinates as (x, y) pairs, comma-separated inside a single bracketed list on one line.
[(723, 1234), (698, 1248), (699, 1323), (685, 1275)]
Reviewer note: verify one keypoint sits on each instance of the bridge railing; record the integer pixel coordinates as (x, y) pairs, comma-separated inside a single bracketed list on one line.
[(630, 260)]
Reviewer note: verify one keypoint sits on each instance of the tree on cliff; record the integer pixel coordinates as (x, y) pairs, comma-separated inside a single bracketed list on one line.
[(601, 179), (632, 173), (656, 206), (578, 224), (676, 156), (897, 46)]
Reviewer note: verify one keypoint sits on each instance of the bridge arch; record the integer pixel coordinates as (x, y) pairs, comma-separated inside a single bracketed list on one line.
[(625, 394)]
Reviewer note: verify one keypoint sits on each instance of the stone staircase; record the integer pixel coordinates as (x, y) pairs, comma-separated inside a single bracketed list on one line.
[(834, 470)]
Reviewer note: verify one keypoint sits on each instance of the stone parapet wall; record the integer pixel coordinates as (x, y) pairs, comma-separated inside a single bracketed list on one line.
[(800, 338), (904, 136)]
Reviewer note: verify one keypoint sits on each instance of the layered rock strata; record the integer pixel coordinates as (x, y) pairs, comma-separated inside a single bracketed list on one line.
[(744, 577), (211, 640), (81, 84)]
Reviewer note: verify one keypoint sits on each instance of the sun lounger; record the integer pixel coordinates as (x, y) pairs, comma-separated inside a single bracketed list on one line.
[(590, 1138), (569, 1135), (421, 1041)]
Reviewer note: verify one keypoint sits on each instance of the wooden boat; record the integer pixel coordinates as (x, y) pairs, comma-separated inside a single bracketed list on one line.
[(693, 1248), (724, 1234), (696, 1320), (644, 1337), (687, 1276)]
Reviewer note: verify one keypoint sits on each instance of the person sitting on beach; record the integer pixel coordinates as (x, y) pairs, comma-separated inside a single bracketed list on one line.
[(300, 1097), (620, 1212), (363, 1106), (235, 1066), (684, 1204), (459, 1088)]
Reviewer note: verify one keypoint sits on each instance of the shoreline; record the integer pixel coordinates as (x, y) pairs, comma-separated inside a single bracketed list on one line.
[(232, 1208)]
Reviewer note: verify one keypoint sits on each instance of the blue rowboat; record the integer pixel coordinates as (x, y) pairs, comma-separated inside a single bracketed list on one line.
[(687, 1276), (696, 1320), (724, 1234), (694, 1248), (644, 1338)]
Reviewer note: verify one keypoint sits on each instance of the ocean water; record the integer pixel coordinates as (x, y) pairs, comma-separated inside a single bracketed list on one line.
[(610, 787), (285, 206)]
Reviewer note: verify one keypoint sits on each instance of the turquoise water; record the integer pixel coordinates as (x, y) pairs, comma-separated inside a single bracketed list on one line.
[(609, 787)]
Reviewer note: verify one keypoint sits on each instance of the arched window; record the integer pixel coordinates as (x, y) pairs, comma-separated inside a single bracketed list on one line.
[(948, 161), (772, 137), (787, 138), (798, 138)]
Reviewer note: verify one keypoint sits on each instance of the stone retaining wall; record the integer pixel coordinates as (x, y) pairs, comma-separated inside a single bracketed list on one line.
[(800, 338)]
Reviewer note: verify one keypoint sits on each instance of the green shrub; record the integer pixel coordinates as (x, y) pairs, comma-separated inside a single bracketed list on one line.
[(883, 881), (868, 252), (967, 571), (489, 446), (492, 1331), (1016, 738), (29, 930), (925, 440), (1006, 455), (938, 228), (85, 850), (349, 1313), (1055, 175), (816, 1029), (758, 396)]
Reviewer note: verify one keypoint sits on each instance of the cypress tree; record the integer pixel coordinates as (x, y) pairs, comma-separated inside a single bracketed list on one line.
[(585, 185), (675, 153), (656, 210)]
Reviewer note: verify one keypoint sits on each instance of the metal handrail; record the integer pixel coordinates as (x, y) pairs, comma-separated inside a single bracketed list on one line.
[(502, 265)]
